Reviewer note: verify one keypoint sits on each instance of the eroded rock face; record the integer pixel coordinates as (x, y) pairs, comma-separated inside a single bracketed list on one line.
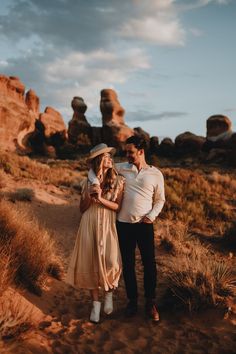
[(52, 121), (32, 102), (111, 109), (114, 129), (12, 87), (16, 121), (219, 127), (79, 130)]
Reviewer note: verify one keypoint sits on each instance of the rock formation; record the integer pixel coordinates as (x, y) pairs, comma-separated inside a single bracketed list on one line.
[(219, 127), (21, 121), (52, 121), (189, 143), (15, 117), (112, 112), (114, 128), (166, 147), (79, 130), (32, 102)]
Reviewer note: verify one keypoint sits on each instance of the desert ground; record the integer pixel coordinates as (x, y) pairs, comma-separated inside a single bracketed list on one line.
[(57, 321)]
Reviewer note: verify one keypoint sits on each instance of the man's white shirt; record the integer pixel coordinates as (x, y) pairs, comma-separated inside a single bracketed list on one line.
[(144, 192)]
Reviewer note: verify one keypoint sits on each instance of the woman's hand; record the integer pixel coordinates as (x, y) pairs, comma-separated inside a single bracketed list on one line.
[(95, 193)]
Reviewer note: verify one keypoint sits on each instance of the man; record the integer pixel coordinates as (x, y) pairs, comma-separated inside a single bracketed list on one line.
[(143, 200)]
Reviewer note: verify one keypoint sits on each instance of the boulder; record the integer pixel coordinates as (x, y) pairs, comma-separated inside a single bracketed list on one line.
[(166, 147), (154, 145), (52, 122), (189, 143), (219, 127)]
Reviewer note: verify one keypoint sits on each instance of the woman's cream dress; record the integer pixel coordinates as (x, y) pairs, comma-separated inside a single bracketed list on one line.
[(96, 260)]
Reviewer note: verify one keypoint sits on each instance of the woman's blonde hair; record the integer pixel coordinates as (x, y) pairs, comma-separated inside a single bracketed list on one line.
[(110, 176)]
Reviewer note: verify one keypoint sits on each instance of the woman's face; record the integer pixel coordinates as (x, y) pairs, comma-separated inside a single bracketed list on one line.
[(107, 161)]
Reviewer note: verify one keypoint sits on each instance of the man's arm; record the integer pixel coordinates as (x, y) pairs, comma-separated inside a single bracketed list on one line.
[(92, 177), (158, 198)]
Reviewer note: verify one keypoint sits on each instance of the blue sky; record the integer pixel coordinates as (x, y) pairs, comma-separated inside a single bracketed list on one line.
[(172, 62)]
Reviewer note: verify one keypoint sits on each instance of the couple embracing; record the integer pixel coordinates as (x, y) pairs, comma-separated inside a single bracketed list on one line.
[(119, 204)]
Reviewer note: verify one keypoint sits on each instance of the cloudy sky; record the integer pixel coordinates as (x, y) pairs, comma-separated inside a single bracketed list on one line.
[(172, 62)]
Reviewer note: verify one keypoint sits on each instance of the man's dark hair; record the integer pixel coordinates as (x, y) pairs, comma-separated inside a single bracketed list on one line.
[(137, 141)]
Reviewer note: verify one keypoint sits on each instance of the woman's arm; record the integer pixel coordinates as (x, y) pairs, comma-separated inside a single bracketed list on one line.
[(112, 205)]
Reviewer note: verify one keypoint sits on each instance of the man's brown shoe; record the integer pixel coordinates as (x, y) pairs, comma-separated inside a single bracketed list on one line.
[(152, 313)]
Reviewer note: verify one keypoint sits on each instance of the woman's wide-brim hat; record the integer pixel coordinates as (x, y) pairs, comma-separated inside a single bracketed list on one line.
[(99, 150)]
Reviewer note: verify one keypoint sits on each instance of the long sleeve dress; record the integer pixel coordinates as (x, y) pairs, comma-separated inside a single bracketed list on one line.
[(96, 261)]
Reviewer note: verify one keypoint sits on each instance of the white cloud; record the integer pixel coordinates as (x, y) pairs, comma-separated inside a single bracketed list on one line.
[(3, 63), (80, 74), (155, 30), (97, 65)]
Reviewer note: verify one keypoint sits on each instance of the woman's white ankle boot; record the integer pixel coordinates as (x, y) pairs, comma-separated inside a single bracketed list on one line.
[(95, 313), (108, 303)]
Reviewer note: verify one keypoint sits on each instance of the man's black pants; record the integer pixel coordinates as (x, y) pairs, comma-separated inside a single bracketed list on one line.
[(131, 235)]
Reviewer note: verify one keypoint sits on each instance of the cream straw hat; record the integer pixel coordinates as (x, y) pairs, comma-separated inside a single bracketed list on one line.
[(99, 150)]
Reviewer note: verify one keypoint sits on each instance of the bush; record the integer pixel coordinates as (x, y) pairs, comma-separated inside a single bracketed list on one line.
[(194, 276), (31, 249), (22, 194)]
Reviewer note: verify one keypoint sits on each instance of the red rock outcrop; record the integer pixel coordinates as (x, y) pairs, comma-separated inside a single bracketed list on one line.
[(114, 127), (79, 130), (15, 118), (32, 102), (219, 127), (112, 112), (52, 122)]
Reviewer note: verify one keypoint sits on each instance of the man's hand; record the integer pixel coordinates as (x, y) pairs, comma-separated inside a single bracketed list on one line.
[(146, 220)]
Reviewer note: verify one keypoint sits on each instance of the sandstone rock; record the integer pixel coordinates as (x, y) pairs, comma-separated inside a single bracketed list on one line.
[(154, 145), (188, 143), (219, 127), (79, 108), (16, 121), (52, 122), (79, 130), (112, 112), (97, 135), (217, 156), (114, 130), (32, 102), (166, 147)]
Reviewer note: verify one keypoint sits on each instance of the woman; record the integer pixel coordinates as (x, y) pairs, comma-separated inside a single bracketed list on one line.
[(96, 261)]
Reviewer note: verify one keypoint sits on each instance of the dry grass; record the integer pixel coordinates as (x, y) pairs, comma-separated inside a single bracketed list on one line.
[(47, 171), (201, 201), (7, 273), (194, 276), (15, 317), (32, 251), (3, 179)]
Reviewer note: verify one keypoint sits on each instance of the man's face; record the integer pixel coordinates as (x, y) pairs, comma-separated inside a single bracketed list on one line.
[(133, 154)]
